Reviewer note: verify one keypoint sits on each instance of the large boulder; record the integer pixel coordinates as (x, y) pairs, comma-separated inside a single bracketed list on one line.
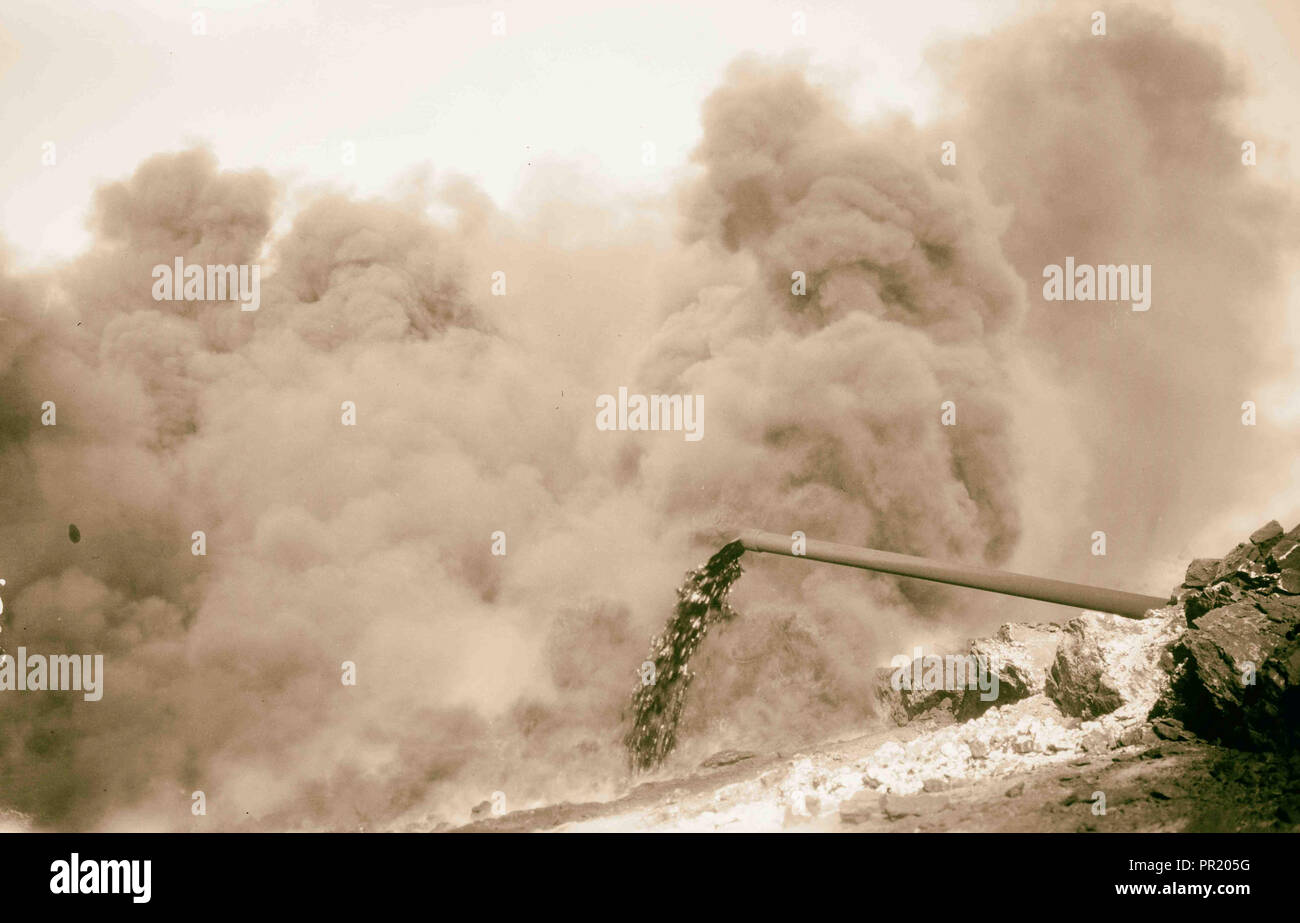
[(1236, 670), (1246, 565), (1236, 673), (903, 703), (1111, 664), (1201, 572), (1018, 655), (1273, 706), (1209, 599), (1266, 534)]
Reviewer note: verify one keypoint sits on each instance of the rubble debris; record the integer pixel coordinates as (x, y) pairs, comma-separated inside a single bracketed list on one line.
[(1171, 729), (1137, 735), (657, 705), (1069, 696), (1102, 682), (1100, 738), (1236, 672)]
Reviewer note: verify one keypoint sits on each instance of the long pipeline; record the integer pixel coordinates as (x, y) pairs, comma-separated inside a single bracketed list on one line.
[(1133, 605)]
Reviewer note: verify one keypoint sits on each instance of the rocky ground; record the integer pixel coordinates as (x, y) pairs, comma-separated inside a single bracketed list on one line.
[(1185, 720)]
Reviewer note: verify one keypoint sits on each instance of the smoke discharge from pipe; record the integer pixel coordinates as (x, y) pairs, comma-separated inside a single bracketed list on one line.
[(372, 544)]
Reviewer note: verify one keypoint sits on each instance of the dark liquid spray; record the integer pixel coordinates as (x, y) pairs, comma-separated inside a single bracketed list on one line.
[(657, 705)]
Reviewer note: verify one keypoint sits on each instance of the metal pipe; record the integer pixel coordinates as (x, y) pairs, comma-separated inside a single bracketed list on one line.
[(1133, 605)]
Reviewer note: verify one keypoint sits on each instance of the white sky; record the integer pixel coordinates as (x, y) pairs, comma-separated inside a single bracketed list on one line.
[(283, 85)]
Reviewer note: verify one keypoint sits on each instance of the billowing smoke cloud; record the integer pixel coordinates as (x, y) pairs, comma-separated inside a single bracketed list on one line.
[(874, 293), (1127, 148), (371, 544)]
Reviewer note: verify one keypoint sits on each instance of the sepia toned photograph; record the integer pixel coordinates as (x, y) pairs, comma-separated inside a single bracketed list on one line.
[(801, 417)]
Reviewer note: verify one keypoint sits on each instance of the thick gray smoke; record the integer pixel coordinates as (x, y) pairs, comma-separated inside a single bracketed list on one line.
[(475, 414)]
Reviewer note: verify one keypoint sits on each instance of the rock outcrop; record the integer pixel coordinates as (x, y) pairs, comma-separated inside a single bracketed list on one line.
[(1107, 663), (1236, 670), (1221, 662), (1018, 654)]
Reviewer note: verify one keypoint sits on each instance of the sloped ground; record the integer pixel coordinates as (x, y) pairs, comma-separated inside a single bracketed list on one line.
[(1168, 786), (1183, 721)]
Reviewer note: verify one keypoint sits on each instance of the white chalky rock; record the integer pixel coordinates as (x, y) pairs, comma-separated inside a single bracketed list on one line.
[(918, 749), (888, 754)]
